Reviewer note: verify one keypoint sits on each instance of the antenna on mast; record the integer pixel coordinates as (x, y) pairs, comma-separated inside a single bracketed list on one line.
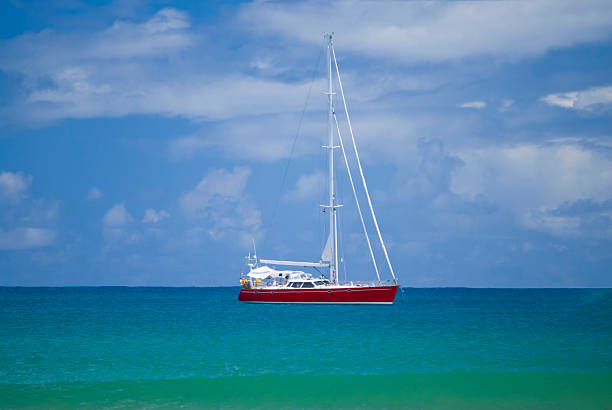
[(252, 260)]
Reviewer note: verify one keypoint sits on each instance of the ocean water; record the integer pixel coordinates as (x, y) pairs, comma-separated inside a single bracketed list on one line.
[(116, 347)]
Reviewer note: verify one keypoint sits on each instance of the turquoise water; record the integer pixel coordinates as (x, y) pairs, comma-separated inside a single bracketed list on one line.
[(200, 347)]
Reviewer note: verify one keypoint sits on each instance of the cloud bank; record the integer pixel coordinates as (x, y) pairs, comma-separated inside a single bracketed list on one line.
[(422, 31)]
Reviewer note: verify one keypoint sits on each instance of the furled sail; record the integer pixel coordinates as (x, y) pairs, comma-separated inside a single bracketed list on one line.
[(326, 256)]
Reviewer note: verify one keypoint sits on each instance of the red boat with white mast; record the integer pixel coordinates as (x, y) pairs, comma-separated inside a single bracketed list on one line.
[(264, 284)]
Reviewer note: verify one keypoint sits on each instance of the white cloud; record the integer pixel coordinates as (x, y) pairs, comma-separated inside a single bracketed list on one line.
[(580, 100), (228, 185), (219, 202), (117, 217), (269, 66), (138, 92), (532, 179), (474, 104), (26, 238), (307, 186), (187, 147), (134, 68), (425, 31), (505, 105), (40, 212), (264, 138), (230, 97), (557, 225), (380, 136), (118, 72), (117, 229), (94, 194), (13, 191), (13, 186), (153, 216), (156, 66), (163, 33), (220, 98), (565, 100)]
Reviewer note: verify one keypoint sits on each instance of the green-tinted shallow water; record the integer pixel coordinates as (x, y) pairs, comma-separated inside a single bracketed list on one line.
[(448, 390), (200, 348)]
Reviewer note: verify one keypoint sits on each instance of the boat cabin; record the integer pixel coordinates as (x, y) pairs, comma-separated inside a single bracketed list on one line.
[(265, 276), (308, 283)]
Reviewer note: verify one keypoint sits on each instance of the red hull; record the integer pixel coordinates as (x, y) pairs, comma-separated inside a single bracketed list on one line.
[(349, 295)]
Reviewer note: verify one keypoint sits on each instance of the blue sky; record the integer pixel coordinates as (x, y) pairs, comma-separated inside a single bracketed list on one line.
[(144, 143)]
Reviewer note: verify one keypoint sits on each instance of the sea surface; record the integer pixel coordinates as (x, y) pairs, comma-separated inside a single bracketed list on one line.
[(119, 347)]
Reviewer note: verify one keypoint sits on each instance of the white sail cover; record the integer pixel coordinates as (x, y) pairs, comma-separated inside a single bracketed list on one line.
[(264, 272), (294, 263), (326, 256)]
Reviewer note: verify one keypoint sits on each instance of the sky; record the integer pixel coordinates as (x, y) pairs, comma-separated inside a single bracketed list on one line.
[(148, 143)]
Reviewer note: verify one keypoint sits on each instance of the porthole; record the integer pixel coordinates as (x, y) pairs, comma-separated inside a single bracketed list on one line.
[(329, 291), (348, 290)]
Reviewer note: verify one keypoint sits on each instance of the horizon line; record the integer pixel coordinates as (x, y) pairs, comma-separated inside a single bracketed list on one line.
[(238, 286)]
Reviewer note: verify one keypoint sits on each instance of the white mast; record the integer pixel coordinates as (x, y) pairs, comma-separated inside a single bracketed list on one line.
[(333, 237)]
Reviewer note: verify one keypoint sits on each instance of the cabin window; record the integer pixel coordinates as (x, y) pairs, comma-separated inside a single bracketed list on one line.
[(319, 283), (296, 284), (308, 285)]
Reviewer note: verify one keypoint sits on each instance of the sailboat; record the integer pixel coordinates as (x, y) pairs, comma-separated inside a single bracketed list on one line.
[(265, 283)]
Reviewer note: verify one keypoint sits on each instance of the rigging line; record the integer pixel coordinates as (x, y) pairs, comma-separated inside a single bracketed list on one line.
[(365, 186), (342, 247), (365, 231), (283, 180), (340, 218), (321, 199)]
